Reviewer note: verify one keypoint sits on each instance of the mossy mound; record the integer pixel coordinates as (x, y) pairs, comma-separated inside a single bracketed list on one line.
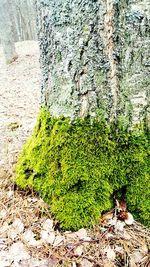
[(77, 167)]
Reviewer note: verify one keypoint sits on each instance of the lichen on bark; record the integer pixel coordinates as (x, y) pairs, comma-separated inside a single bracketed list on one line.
[(81, 40)]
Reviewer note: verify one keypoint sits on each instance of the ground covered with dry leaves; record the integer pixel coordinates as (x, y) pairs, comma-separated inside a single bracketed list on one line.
[(28, 234)]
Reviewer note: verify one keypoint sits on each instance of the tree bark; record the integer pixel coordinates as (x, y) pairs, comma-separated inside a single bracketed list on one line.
[(95, 55), (95, 59)]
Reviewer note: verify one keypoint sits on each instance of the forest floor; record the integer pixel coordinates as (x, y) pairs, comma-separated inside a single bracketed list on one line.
[(29, 237)]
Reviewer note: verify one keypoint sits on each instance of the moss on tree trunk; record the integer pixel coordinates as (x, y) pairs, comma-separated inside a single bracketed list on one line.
[(90, 141), (77, 168)]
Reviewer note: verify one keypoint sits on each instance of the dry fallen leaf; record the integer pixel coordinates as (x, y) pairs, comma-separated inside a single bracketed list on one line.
[(86, 263), (18, 225), (58, 241), (28, 235), (126, 235), (4, 229), (48, 237), (121, 205), (5, 261), (81, 234), (48, 225), (111, 255), (137, 256), (122, 215), (12, 233), (130, 219), (17, 252), (107, 263), (3, 214), (105, 218), (119, 226), (79, 250), (70, 236)]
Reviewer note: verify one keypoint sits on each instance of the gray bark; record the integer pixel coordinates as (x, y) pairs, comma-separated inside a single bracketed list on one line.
[(95, 55)]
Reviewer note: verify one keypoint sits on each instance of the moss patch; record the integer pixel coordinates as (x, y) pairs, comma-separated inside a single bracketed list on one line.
[(77, 167)]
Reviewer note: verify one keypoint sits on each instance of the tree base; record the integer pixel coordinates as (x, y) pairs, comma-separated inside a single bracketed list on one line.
[(78, 167)]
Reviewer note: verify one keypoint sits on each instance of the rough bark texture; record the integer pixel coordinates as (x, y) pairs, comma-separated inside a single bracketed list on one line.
[(95, 54)]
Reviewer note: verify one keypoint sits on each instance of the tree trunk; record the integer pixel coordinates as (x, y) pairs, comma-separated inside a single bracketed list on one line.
[(95, 55), (7, 30), (90, 142)]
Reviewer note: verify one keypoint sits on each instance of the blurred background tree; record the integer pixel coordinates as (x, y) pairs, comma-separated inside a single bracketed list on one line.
[(17, 23)]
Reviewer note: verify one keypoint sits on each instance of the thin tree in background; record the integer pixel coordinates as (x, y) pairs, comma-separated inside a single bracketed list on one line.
[(7, 30), (17, 23)]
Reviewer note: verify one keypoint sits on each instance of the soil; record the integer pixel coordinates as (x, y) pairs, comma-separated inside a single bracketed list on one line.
[(19, 101)]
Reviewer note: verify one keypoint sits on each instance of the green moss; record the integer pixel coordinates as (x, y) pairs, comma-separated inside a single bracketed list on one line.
[(58, 56), (99, 78), (77, 167)]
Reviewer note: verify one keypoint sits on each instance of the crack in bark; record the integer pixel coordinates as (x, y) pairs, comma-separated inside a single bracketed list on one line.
[(113, 72), (84, 97), (84, 105)]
